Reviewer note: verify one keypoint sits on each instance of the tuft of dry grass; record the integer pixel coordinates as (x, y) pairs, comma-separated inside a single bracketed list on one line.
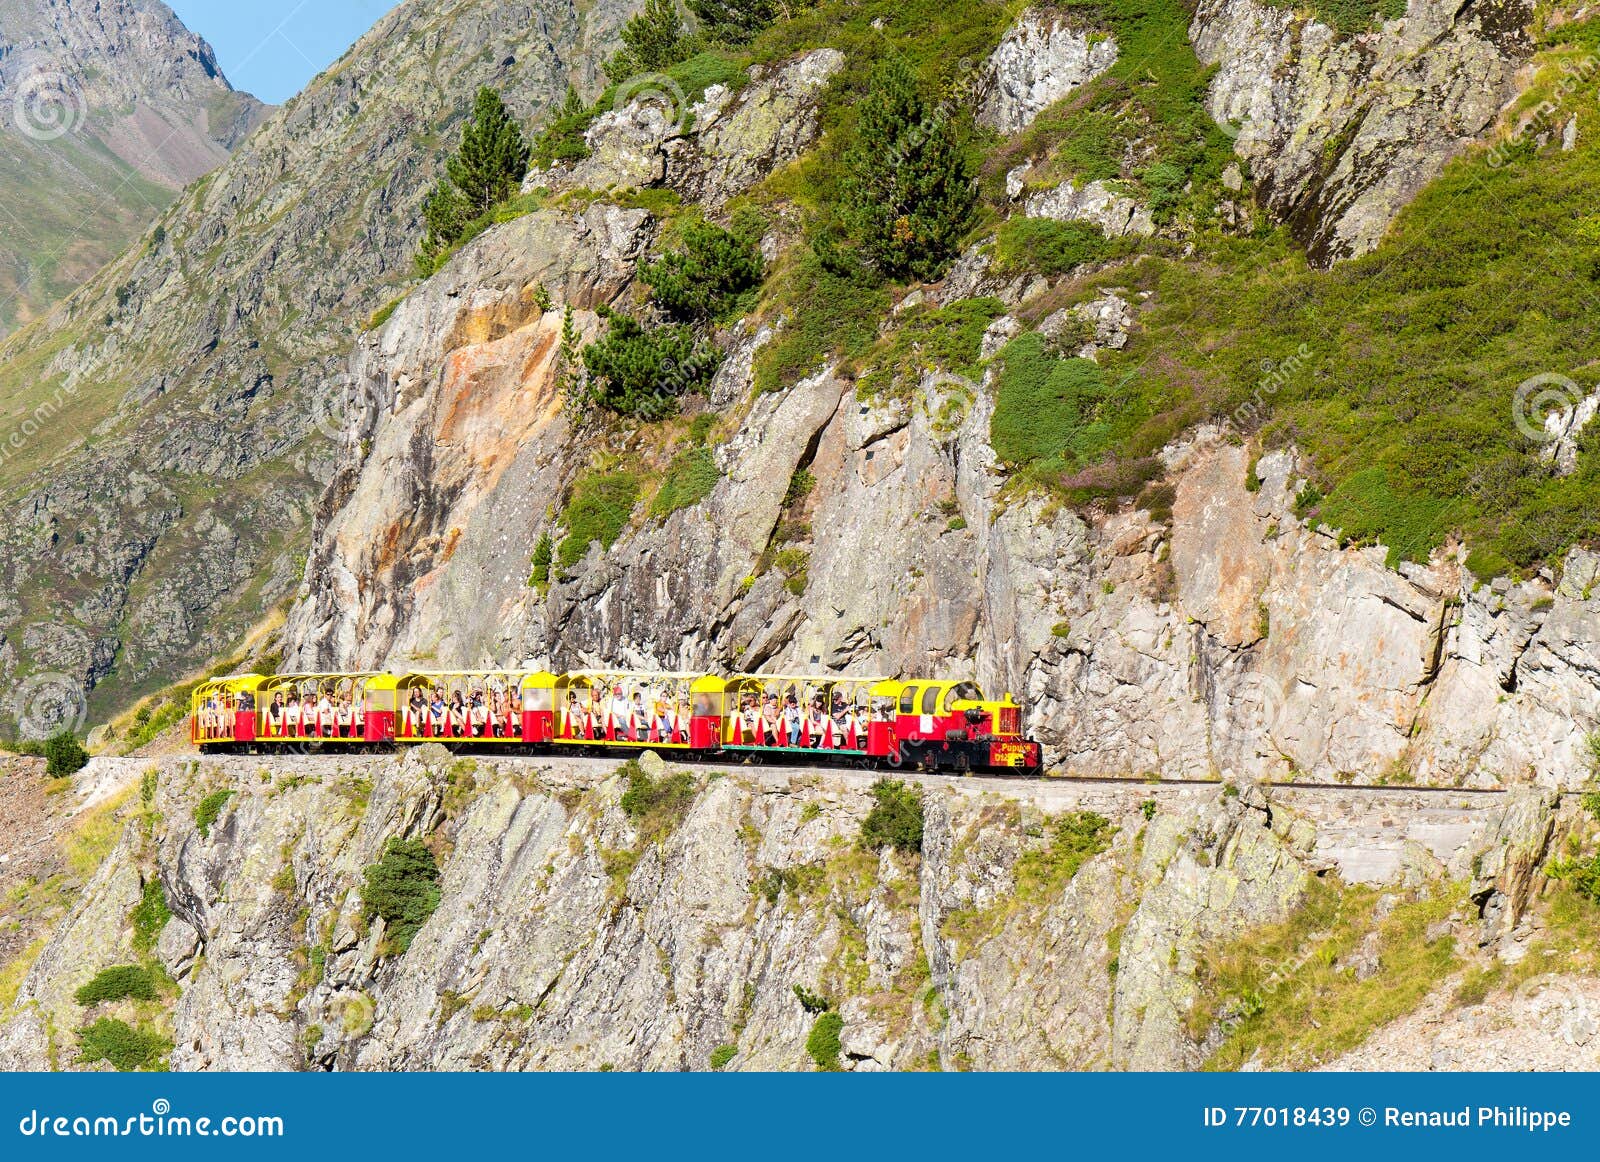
[(1286, 993)]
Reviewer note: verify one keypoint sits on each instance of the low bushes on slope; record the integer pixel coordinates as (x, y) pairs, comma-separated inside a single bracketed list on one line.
[(403, 889)]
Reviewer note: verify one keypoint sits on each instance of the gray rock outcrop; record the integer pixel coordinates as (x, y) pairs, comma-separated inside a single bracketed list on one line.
[(1342, 131), (1039, 60)]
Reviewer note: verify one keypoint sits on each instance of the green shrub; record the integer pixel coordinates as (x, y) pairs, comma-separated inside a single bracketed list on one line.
[(126, 1048), (948, 339), (896, 819), (155, 722), (811, 1002), (123, 982), (403, 889), (828, 315), (907, 196), (653, 40), (63, 755), (822, 1045), (1077, 837), (735, 21), (1581, 875), (562, 139), (599, 509), (722, 1054), (687, 481), (707, 274), (657, 807), (641, 371), (207, 811), (1365, 507), (1043, 246), (149, 915), (1049, 410), (1349, 17), (543, 551)]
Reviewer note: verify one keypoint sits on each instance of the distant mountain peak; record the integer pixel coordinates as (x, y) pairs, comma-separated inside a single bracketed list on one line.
[(107, 109)]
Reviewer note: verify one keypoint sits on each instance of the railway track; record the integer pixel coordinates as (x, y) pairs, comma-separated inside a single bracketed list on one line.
[(856, 774)]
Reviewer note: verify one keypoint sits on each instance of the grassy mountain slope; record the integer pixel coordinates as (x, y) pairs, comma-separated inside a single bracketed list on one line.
[(111, 109), (199, 371)]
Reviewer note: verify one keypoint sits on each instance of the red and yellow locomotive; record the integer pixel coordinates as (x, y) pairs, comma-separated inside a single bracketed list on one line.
[(927, 724)]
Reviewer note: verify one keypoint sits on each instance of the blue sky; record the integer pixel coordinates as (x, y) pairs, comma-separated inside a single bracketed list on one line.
[(273, 47)]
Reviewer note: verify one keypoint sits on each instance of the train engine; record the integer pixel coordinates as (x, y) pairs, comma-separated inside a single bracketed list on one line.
[(945, 725)]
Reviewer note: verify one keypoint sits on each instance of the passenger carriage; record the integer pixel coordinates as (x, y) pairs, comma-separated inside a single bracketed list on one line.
[(508, 706)]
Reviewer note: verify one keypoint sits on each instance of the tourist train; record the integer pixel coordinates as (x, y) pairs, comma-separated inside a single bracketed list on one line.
[(926, 724)]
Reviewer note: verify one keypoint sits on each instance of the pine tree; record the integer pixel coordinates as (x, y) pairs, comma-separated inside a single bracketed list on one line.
[(445, 215), (568, 358), (700, 280), (652, 41), (493, 156), (735, 21), (908, 192)]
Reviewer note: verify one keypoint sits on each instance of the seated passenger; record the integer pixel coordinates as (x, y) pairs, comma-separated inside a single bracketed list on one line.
[(478, 715), (621, 708), (817, 725), (458, 715), (770, 721), (308, 714), (791, 721), (291, 717), (275, 713), (438, 713), (325, 716), (416, 710)]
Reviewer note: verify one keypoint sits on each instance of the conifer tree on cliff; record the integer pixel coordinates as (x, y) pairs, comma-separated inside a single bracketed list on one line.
[(734, 21), (908, 191), (493, 157)]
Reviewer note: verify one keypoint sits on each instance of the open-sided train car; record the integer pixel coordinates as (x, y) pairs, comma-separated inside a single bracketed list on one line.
[(931, 724)]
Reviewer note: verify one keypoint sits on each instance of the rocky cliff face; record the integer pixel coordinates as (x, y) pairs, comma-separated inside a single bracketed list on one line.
[(571, 934), (203, 369), (1229, 636), (112, 108), (1341, 131)]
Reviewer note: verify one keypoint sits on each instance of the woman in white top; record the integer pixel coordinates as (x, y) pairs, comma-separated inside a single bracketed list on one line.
[(478, 715), (324, 715), (621, 711)]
